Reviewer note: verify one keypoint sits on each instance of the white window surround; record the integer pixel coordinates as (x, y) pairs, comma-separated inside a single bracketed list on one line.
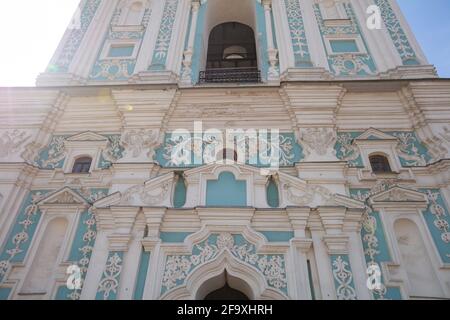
[(104, 55), (84, 145), (358, 40)]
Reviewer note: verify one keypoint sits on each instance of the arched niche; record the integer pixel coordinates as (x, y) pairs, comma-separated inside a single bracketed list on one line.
[(45, 260), (213, 13), (421, 277)]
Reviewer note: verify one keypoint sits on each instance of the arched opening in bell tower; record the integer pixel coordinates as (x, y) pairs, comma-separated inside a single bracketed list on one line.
[(232, 42)]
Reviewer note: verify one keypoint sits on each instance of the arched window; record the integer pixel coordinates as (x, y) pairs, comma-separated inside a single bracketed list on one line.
[(82, 165), (272, 195), (379, 164)]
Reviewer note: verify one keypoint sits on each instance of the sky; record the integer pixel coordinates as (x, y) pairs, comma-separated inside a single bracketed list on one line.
[(30, 31)]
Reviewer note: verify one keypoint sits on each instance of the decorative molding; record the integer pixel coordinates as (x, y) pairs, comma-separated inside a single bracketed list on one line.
[(397, 34), (22, 232), (135, 142), (178, 267), (343, 278), (11, 142), (74, 38), (298, 35), (164, 36), (318, 143), (111, 276)]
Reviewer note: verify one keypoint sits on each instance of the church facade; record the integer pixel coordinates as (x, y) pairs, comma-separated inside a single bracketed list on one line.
[(261, 149)]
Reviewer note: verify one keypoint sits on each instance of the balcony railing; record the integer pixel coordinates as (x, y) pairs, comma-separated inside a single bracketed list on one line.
[(231, 75)]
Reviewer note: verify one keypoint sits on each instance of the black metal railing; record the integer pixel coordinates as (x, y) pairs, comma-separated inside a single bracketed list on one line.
[(230, 75)]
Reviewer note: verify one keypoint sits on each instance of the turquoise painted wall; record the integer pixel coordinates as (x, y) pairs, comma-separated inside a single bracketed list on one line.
[(142, 275), (226, 191)]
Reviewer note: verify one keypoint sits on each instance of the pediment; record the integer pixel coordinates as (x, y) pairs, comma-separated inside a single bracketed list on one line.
[(374, 134), (87, 136), (399, 194), (154, 192), (65, 196)]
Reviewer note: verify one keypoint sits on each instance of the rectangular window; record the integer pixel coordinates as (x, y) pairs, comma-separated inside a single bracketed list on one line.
[(343, 46), (121, 51)]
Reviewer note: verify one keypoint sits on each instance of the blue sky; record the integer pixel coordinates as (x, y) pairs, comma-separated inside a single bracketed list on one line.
[(430, 22), (29, 37)]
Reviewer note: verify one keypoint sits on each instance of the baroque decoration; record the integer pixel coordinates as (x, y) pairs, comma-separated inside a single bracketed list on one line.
[(178, 267), (397, 33), (346, 64), (182, 150), (54, 155), (119, 68), (164, 35), (298, 34), (20, 239), (83, 19), (146, 194), (318, 141), (111, 275), (136, 141), (12, 141), (344, 279)]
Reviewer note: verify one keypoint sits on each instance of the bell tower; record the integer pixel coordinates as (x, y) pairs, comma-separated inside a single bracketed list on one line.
[(192, 42)]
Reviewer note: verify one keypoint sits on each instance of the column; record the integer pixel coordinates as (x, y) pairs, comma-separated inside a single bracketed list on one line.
[(118, 223), (273, 74), (300, 247), (334, 219), (186, 76), (151, 244)]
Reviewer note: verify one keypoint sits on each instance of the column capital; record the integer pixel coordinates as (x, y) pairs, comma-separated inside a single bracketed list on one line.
[(299, 219), (153, 219), (303, 244), (119, 242), (149, 244), (337, 244)]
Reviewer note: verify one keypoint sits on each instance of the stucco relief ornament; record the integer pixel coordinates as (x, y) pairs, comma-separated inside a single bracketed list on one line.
[(343, 277), (147, 195), (318, 140), (19, 239), (178, 267), (113, 150), (439, 216), (11, 142), (110, 282), (56, 152), (306, 196), (136, 141), (348, 151), (408, 150)]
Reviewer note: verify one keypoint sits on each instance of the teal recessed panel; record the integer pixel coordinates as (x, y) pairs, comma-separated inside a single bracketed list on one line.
[(142, 275), (339, 46), (278, 236), (226, 191), (173, 237), (4, 293), (121, 51)]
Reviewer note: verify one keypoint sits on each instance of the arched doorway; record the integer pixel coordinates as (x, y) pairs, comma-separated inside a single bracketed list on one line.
[(226, 293), (225, 287)]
